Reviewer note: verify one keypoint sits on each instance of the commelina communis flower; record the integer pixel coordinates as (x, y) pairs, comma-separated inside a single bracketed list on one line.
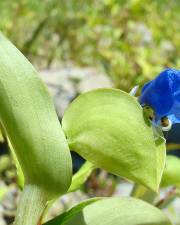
[(162, 95)]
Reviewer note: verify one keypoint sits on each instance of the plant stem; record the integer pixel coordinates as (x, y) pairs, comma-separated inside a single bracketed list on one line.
[(32, 203), (143, 193), (168, 198)]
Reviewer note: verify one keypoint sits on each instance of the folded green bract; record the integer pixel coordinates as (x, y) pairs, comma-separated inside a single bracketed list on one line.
[(108, 128)]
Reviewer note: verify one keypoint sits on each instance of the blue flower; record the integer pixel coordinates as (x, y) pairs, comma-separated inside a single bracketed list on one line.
[(163, 95)]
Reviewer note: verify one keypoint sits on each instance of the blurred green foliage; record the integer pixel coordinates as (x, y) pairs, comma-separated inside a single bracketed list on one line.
[(132, 40)]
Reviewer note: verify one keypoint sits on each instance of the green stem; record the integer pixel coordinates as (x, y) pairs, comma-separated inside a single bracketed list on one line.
[(31, 206), (143, 193)]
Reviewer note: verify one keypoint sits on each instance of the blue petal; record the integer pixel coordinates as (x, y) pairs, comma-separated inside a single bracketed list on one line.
[(163, 94)]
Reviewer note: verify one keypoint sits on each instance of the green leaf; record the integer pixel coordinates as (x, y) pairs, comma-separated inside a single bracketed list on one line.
[(171, 175), (1, 136), (81, 176), (20, 174), (112, 211), (108, 128), (64, 216), (29, 119)]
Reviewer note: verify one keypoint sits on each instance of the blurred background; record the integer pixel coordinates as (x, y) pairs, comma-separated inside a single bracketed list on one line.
[(81, 45), (129, 40)]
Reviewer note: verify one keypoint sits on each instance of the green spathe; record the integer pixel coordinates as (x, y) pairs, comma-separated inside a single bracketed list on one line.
[(108, 128)]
